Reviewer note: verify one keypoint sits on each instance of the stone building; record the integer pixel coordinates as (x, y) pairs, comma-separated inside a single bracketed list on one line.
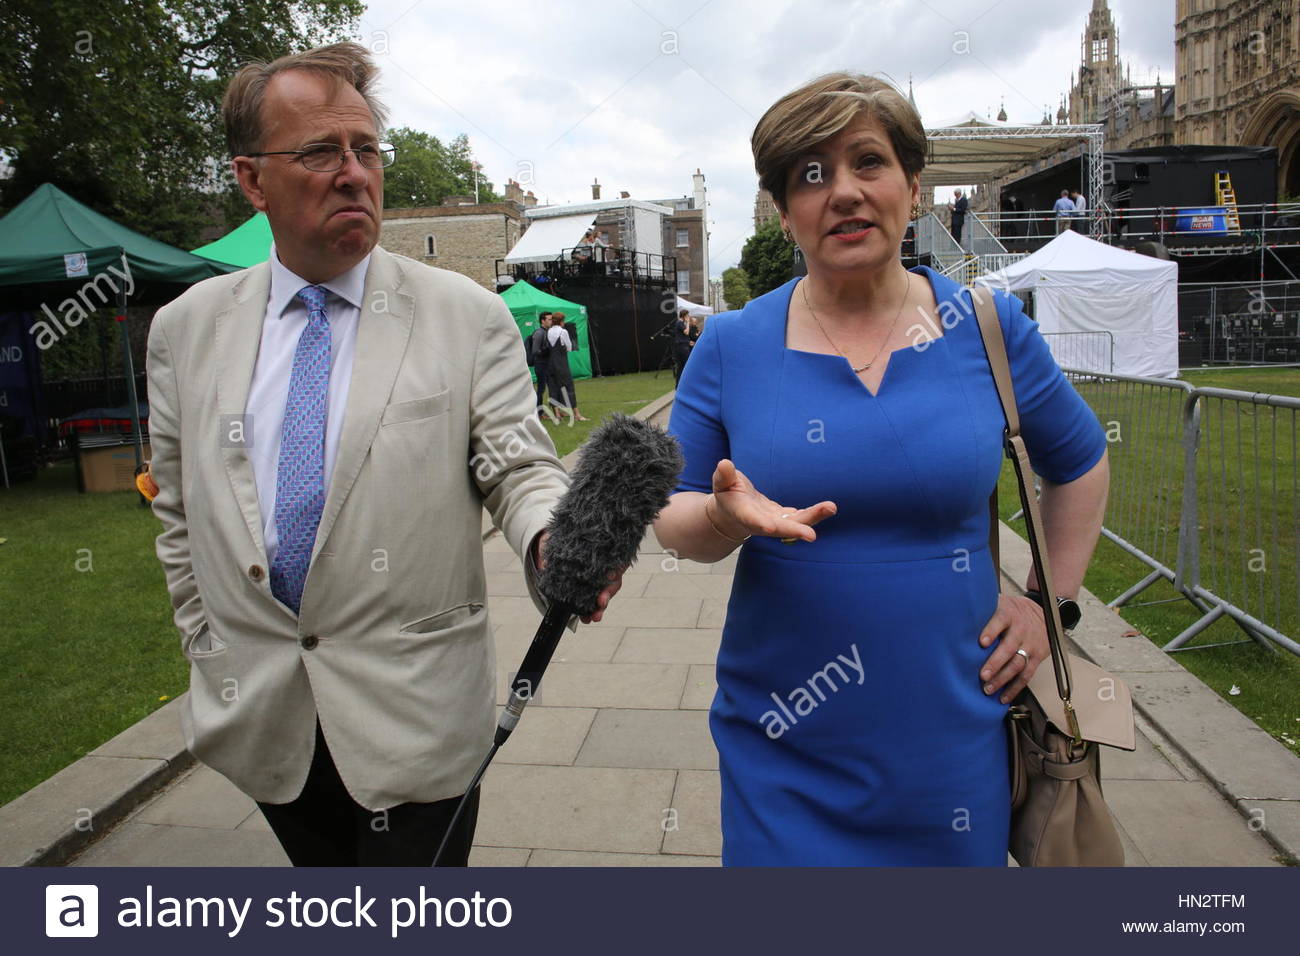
[(460, 235), (1134, 115), (686, 237), (764, 208), (1237, 83), (1238, 78)]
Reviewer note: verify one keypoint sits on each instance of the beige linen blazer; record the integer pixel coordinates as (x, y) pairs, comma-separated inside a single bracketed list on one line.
[(392, 649)]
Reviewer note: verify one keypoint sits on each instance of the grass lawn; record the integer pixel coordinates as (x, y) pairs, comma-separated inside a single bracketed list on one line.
[(1246, 517), (597, 397), (87, 642)]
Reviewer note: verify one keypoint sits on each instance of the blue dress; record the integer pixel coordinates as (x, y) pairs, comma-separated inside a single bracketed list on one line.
[(850, 722)]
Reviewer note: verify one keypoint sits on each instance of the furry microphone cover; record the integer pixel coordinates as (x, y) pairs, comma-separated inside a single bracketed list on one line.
[(623, 479)]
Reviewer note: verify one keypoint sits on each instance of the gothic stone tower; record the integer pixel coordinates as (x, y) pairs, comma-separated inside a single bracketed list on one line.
[(1100, 73)]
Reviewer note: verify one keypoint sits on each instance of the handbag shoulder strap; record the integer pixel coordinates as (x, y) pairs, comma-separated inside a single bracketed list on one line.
[(996, 349)]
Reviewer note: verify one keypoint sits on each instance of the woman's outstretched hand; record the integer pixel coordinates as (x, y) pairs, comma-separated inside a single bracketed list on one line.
[(740, 509)]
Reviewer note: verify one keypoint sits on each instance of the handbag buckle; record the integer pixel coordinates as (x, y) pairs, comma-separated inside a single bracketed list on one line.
[(1073, 721)]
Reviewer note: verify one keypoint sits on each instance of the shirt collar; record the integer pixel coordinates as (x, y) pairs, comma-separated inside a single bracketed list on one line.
[(349, 286)]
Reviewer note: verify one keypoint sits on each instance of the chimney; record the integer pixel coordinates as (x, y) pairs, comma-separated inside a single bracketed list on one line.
[(595, 189), (514, 192), (625, 195), (698, 180), (529, 199)]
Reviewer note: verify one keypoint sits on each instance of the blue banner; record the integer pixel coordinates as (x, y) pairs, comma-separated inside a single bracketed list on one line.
[(20, 373)]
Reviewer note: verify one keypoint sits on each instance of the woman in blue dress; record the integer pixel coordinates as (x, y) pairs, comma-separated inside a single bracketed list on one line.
[(843, 431)]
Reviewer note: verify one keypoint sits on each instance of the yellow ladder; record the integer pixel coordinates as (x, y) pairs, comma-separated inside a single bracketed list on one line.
[(1225, 197)]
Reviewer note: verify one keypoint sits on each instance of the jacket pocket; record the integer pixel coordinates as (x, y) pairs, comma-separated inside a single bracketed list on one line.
[(417, 409), (443, 620), (202, 643)]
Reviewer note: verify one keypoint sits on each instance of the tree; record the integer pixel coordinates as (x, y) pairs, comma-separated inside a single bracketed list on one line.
[(768, 258), (735, 287), (427, 171), (118, 103)]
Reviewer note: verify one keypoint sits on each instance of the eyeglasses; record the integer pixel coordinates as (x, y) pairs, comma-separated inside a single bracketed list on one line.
[(327, 158)]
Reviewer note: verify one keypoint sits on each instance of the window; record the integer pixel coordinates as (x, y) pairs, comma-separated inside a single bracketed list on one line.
[(683, 282), (430, 246), (683, 238)]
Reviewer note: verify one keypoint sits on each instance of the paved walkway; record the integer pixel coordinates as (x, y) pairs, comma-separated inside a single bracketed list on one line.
[(613, 764)]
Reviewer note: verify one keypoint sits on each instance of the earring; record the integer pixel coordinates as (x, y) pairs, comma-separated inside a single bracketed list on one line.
[(916, 209), (785, 231)]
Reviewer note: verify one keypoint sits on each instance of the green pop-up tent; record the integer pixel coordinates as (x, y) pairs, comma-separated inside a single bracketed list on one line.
[(246, 245), (526, 301), (53, 248)]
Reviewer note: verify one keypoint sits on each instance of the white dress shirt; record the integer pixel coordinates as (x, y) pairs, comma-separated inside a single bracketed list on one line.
[(286, 317)]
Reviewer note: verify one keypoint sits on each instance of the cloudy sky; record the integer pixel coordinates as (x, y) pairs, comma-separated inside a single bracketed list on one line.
[(639, 93)]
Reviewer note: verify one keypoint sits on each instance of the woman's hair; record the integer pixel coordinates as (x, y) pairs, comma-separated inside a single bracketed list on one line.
[(824, 107), (557, 317), (344, 63), (684, 313)]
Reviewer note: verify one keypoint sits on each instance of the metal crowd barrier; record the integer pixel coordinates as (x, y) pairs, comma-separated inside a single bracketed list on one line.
[(1203, 491), (1094, 351)]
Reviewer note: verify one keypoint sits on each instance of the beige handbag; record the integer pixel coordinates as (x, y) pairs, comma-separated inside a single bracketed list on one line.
[(1058, 814)]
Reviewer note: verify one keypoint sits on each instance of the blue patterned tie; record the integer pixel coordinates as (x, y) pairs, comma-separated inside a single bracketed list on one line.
[(300, 480)]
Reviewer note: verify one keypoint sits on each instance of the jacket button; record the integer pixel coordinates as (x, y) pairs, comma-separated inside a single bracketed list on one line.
[(309, 642), (255, 572)]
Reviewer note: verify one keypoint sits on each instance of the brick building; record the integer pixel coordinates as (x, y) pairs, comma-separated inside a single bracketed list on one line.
[(460, 235), (686, 237)]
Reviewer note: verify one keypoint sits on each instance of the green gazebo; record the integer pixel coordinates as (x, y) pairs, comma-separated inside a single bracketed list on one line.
[(526, 302)]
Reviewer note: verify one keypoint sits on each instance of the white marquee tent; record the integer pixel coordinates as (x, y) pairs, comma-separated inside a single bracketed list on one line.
[(1085, 286), (694, 308)]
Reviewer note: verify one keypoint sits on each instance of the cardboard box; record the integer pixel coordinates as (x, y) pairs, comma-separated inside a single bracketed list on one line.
[(108, 468)]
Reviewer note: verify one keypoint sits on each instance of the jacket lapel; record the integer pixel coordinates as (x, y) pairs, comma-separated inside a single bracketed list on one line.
[(383, 331), (238, 337)]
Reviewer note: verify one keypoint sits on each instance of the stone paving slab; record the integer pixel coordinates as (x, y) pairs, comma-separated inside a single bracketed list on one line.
[(650, 739), (696, 829), (549, 735), (644, 686), (203, 798), (574, 808), (142, 844), (669, 645), (593, 645), (571, 858), (1185, 823), (701, 685)]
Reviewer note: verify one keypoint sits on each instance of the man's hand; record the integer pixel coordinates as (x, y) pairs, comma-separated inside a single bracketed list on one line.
[(602, 599)]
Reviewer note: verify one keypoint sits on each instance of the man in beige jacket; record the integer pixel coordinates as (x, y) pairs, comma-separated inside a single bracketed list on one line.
[(327, 428)]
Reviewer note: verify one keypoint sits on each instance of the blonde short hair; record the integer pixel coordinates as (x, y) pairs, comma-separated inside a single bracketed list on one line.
[(241, 109), (824, 107)]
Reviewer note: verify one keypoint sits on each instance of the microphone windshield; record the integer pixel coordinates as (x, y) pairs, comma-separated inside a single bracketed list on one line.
[(624, 476)]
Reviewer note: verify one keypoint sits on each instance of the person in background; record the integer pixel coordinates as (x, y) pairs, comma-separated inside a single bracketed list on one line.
[(1080, 223), (682, 342), (541, 350), (959, 207), (559, 376), (1064, 209)]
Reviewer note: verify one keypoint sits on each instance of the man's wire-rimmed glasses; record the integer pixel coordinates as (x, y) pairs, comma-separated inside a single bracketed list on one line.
[(328, 157)]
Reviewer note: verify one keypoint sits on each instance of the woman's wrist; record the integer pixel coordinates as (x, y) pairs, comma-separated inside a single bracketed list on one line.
[(714, 524)]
